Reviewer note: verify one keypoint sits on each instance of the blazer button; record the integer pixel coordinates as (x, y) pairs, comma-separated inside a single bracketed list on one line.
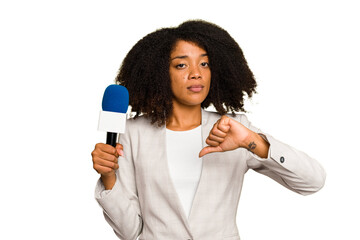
[(282, 159)]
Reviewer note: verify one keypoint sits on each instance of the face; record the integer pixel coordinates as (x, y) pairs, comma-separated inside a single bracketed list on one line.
[(189, 74)]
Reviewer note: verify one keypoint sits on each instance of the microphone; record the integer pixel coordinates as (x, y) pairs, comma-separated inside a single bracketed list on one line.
[(112, 118)]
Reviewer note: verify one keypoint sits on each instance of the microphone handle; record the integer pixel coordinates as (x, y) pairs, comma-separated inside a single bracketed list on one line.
[(111, 138)]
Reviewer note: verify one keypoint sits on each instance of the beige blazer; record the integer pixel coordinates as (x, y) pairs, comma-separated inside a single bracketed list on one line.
[(144, 203)]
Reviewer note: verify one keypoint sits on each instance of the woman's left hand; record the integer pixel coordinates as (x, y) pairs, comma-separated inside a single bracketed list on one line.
[(228, 134)]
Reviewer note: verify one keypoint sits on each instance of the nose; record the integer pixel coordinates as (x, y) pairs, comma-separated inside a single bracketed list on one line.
[(195, 73)]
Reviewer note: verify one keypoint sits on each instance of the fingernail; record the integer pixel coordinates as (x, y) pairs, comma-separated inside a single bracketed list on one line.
[(121, 152)]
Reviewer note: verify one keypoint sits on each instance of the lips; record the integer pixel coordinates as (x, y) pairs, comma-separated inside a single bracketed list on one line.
[(195, 88)]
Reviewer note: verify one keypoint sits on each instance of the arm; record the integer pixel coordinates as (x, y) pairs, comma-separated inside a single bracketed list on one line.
[(228, 134), (120, 201), (286, 165), (256, 144)]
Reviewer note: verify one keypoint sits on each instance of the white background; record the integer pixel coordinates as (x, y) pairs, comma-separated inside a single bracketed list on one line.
[(57, 57)]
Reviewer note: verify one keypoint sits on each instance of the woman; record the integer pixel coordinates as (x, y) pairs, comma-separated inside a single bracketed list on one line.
[(178, 170)]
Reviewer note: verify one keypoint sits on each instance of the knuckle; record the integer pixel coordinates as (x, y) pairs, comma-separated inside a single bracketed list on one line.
[(95, 153), (211, 142), (99, 155), (217, 131), (113, 165), (223, 119), (95, 166), (97, 161)]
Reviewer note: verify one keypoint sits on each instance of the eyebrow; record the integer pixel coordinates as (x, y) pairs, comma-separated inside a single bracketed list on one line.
[(185, 56)]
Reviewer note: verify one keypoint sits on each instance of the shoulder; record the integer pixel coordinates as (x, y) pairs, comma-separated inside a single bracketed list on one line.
[(212, 117), (140, 124), (139, 129), (139, 121)]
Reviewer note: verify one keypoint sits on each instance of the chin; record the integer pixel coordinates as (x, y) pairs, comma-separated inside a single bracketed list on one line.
[(191, 100), (193, 103)]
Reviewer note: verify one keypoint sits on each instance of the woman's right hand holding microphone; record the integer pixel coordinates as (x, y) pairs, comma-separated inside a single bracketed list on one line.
[(105, 162)]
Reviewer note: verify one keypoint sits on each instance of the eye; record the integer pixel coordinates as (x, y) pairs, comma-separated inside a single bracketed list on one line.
[(181, 65), (204, 64)]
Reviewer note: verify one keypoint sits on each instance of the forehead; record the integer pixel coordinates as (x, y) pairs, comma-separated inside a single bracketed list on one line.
[(186, 47)]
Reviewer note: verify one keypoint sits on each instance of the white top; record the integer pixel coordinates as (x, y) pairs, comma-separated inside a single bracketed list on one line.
[(183, 148)]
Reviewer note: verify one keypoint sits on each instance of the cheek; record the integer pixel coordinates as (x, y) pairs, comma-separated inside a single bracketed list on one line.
[(208, 79), (178, 80), (176, 84)]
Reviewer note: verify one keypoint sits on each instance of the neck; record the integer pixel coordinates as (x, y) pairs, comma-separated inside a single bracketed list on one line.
[(184, 117)]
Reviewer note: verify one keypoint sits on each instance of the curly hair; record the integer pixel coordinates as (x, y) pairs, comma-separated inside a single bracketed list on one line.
[(145, 70)]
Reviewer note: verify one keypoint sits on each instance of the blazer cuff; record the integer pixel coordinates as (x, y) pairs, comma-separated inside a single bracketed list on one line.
[(298, 170), (100, 191), (274, 153), (103, 196)]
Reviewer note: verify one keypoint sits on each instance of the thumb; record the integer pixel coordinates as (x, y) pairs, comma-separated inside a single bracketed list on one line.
[(119, 149), (209, 149)]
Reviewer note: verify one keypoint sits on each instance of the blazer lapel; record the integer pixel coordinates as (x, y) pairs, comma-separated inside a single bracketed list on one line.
[(198, 198), (170, 184), (205, 129)]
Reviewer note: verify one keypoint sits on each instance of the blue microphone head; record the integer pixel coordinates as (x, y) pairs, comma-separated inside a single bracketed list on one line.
[(115, 99)]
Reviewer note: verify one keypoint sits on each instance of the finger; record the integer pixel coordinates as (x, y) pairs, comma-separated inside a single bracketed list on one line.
[(212, 143), (118, 145), (209, 149), (106, 148), (217, 132), (119, 149), (104, 163), (212, 137), (107, 157), (224, 124)]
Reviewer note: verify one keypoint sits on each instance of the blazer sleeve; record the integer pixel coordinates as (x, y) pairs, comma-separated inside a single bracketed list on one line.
[(286, 165), (120, 205)]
